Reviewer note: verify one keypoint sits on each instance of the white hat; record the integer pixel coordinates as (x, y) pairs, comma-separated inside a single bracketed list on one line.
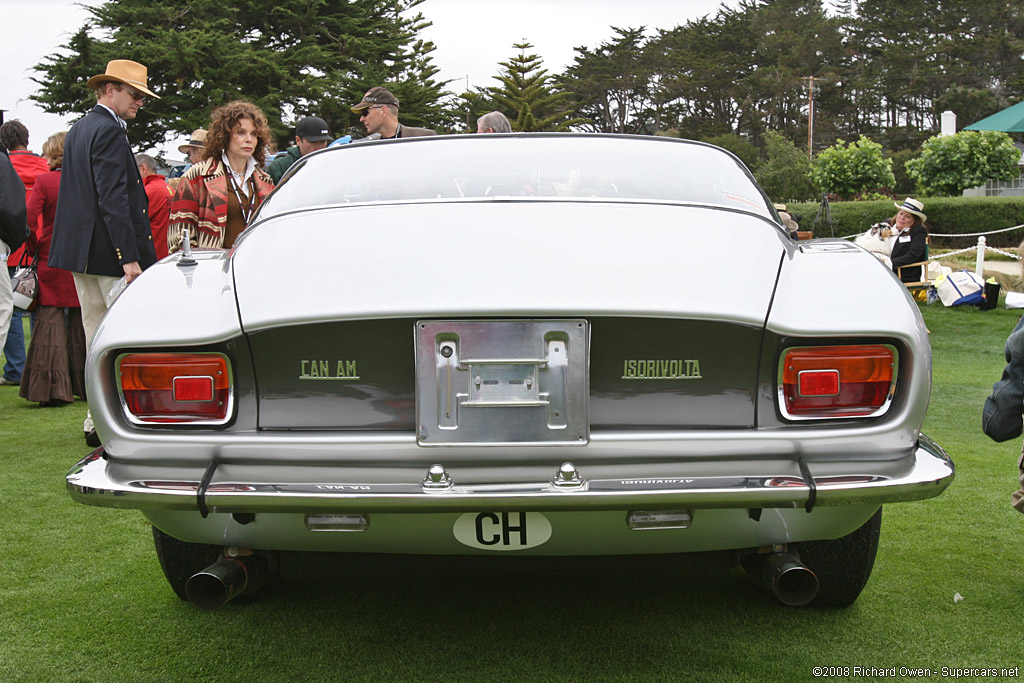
[(912, 206)]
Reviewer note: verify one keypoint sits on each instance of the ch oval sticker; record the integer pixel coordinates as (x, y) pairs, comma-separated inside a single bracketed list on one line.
[(502, 531)]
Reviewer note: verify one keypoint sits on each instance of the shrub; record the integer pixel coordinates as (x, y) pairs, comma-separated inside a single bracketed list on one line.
[(950, 164), (784, 175), (847, 169)]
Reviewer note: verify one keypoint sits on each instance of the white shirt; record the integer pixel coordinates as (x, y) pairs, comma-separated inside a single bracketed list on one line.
[(121, 122), (240, 178)]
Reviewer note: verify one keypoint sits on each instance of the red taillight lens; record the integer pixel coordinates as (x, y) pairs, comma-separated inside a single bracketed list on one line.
[(175, 387), (836, 381)]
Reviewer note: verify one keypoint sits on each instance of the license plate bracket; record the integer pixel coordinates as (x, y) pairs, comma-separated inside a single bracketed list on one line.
[(502, 382)]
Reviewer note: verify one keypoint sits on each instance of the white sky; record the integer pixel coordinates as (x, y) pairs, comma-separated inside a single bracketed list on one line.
[(471, 36)]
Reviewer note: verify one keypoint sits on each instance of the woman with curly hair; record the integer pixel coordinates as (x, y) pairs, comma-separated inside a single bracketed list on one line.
[(217, 197)]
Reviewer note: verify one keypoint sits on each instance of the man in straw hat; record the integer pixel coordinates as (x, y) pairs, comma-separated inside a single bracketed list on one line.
[(193, 150), (101, 231), (911, 240)]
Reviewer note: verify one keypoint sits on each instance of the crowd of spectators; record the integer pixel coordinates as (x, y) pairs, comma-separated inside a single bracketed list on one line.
[(92, 215)]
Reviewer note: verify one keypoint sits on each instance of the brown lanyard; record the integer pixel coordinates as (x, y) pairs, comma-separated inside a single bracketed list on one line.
[(247, 211)]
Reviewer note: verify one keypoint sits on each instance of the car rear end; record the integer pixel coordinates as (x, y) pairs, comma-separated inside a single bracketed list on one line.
[(497, 375)]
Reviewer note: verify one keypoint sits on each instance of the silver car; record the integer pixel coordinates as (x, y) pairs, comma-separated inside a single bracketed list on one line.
[(543, 345)]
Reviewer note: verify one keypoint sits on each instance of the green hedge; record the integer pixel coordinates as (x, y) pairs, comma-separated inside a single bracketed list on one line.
[(946, 215)]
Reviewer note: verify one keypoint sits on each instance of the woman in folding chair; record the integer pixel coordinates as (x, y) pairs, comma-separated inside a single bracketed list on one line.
[(910, 244)]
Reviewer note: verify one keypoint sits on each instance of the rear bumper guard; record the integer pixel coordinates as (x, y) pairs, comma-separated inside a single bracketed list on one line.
[(90, 482)]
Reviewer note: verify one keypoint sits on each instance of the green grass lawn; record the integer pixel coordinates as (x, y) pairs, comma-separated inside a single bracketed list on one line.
[(83, 599)]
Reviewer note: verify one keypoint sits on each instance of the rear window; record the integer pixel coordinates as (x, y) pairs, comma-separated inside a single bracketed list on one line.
[(519, 166)]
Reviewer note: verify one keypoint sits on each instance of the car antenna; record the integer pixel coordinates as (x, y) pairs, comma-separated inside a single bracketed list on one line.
[(186, 251)]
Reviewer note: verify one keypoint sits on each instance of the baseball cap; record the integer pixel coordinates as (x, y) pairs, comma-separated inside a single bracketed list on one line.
[(377, 95), (312, 128)]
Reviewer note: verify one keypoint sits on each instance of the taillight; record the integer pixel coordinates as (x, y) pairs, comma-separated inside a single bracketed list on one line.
[(175, 387), (836, 381)]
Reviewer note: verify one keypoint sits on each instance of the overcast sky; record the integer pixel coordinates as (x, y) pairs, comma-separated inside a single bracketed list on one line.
[(471, 36)]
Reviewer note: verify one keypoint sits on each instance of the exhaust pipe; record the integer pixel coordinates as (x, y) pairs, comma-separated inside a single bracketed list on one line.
[(225, 579), (791, 582)]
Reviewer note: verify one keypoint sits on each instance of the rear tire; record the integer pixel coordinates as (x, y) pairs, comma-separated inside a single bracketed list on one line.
[(180, 560), (843, 565)]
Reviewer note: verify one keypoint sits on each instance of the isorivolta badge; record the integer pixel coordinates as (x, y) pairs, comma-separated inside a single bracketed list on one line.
[(661, 369)]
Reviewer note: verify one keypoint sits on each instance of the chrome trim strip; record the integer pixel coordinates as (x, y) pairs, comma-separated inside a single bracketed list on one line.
[(89, 482)]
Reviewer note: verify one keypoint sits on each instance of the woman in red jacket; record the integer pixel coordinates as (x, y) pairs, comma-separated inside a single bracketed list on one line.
[(55, 368)]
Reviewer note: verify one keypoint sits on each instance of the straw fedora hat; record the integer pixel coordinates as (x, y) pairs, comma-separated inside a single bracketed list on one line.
[(912, 206), (198, 140), (124, 71)]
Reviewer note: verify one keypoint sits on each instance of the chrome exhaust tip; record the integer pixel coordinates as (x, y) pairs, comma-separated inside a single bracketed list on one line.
[(785, 575), (226, 579)]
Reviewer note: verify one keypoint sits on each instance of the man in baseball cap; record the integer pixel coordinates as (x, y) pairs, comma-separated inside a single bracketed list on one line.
[(378, 111), (311, 134)]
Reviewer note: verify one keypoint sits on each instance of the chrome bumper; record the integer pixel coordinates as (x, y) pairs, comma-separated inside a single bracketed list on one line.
[(90, 482)]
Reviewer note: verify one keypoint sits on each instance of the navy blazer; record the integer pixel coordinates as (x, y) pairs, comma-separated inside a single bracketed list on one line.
[(101, 220)]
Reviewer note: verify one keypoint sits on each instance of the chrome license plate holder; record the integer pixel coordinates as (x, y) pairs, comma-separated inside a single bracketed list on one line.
[(502, 382)]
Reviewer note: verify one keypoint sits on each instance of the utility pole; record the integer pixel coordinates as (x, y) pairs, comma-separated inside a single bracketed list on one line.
[(810, 116)]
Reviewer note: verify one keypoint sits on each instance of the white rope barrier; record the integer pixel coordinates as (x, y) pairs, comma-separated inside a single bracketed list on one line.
[(977, 234), (964, 234), (1004, 253)]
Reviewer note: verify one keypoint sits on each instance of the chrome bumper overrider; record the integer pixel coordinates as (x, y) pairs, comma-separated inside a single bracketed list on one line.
[(90, 482)]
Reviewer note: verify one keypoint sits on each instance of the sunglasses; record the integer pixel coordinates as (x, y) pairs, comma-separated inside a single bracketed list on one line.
[(366, 112), (138, 97)]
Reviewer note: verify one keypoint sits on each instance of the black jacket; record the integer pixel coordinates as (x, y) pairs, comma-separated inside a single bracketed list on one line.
[(13, 228), (101, 220), (911, 250)]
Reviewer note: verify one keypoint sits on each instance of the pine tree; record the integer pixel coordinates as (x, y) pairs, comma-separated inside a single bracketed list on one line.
[(527, 94)]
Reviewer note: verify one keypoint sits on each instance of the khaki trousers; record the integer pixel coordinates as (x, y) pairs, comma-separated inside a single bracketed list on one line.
[(94, 297)]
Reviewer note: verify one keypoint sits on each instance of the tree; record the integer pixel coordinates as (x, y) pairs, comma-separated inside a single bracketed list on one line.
[(950, 164), (847, 169), (528, 94), (785, 174), (289, 57), (698, 70), (739, 146), (611, 85)]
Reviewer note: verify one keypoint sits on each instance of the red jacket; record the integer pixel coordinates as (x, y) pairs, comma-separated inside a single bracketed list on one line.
[(56, 286), (159, 211), (28, 166)]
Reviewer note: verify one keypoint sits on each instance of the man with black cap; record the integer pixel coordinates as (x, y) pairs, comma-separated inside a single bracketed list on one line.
[(101, 232), (378, 111), (310, 135)]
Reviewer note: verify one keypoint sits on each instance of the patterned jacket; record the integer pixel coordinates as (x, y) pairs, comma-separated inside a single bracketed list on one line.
[(201, 204)]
